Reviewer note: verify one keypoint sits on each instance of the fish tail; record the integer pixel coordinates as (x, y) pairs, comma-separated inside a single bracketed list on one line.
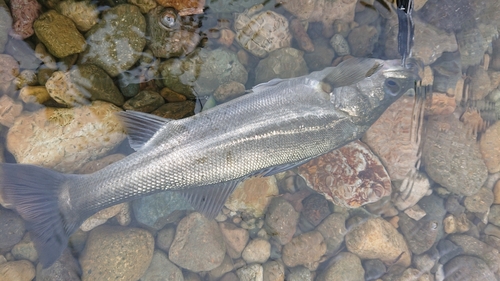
[(34, 193)]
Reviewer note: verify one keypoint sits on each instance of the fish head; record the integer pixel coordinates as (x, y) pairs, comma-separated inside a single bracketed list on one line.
[(383, 83)]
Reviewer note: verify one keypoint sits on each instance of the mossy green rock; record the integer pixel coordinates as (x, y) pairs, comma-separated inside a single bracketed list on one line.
[(59, 34), (117, 40)]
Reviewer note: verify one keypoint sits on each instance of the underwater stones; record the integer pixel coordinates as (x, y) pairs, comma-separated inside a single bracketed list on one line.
[(431, 42), (83, 13), (305, 249), (145, 101), (175, 110), (362, 40), (469, 268), (116, 42), (253, 195), (22, 270), (177, 40), (9, 110), (451, 156), (24, 13), (54, 137), (347, 266), (282, 63), (350, 176), (489, 145), (262, 33), (281, 220), (184, 7), (59, 34), (5, 25)]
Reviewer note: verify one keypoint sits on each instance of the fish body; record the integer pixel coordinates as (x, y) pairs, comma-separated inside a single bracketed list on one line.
[(276, 126)]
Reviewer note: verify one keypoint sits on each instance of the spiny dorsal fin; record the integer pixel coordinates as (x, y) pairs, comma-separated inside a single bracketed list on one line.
[(141, 126)]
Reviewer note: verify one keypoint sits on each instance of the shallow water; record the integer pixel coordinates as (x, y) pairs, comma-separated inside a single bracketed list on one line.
[(426, 207)]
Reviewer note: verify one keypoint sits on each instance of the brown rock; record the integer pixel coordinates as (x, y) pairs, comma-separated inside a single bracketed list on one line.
[(440, 104), (9, 110), (496, 193), (236, 239), (393, 138), (24, 13), (9, 69), (175, 110), (253, 195), (145, 101), (171, 96), (376, 238), (21, 270), (229, 91), (34, 94), (305, 249), (350, 176), (301, 36), (490, 147), (480, 84), (83, 13), (226, 37), (184, 7)]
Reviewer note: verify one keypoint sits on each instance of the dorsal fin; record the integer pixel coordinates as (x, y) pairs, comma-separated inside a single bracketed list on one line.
[(141, 126), (352, 71)]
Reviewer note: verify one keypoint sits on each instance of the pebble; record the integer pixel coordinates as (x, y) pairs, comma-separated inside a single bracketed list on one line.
[(415, 186), (495, 58), (415, 212), (494, 215), (448, 250), (431, 42), (480, 202), (376, 238), (299, 273), (333, 230), (305, 249), (253, 196), (198, 244), (66, 268), (322, 56), (154, 210), (253, 272), (175, 110), (25, 250), (374, 269), (490, 147), (11, 228), (5, 24), (315, 209), (171, 96), (161, 268), (21, 270), (235, 239), (229, 91), (145, 101), (420, 235), (164, 238), (59, 34), (274, 271), (83, 14), (480, 83), (257, 251), (424, 262), (340, 45), (230, 276), (121, 27), (24, 13), (392, 139), (281, 220), (453, 205), (451, 157), (472, 246), (300, 35), (102, 216), (362, 40), (468, 268), (346, 266), (34, 94), (9, 110), (27, 77), (453, 224), (282, 63), (114, 252), (54, 137), (144, 5)]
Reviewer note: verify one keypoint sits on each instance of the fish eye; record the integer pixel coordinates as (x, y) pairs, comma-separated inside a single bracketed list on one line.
[(168, 18), (392, 86)]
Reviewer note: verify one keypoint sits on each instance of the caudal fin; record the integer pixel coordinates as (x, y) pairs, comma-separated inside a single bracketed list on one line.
[(34, 191)]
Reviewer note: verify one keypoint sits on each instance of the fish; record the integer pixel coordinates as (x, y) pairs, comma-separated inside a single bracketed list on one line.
[(406, 28), (276, 126)]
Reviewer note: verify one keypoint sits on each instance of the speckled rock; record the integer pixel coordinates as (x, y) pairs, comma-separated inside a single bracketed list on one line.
[(340, 45), (393, 138), (83, 13), (479, 202), (376, 238), (262, 32), (281, 220), (322, 56), (472, 246), (283, 63), (299, 273), (162, 269), (430, 42), (452, 157), (480, 83), (468, 268), (9, 69), (235, 238), (420, 235), (198, 244), (346, 266), (274, 271), (184, 7), (325, 11), (494, 215), (315, 209), (230, 6), (362, 40), (144, 5), (5, 24), (257, 251), (454, 224), (176, 110), (59, 34), (253, 272), (490, 147), (253, 195), (145, 101), (9, 110), (21, 270), (178, 39), (11, 228), (54, 137), (333, 230), (117, 40), (202, 72), (305, 249), (24, 13), (350, 176), (34, 94), (66, 268), (226, 266), (119, 253)]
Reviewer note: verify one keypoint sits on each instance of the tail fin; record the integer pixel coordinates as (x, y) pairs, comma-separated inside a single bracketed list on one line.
[(34, 192)]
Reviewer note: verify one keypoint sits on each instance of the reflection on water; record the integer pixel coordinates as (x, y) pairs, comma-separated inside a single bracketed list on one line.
[(417, 198)]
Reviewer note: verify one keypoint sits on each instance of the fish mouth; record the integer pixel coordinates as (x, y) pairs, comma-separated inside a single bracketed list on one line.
[(410, 70)]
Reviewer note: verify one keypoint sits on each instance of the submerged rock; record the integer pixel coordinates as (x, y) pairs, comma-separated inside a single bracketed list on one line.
[(282, 63)]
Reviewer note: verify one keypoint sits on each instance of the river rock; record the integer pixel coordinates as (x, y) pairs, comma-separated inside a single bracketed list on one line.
[(451, 156), (9, 69), (253, 272), (362, 40), (178, 39), (376, 238), (257, 251), (102, 216), (494, 215), (346, 266), (253, 195), (198, 244), (24, 13), (226, 266), (25, 250), (431, 42), (235, 239), (83, 13), (322, 56), (420, 235), (281, 220), (34, 94), (274, 271), (115, 252), (479, 202), (305, 249), (162, 269), (66, 268), (21, 270), (11, 229), (490, 147), (282, 63), (145, 101), (472, 46), (54, 137), (5, 24), (393, 138), (176, 110), (229, 91), (374, 269), (9, 110), (333, 230), (468, 268), (117, 40), (411, 190), (299, 273), (472, 246), (315, 209), (59, 34)]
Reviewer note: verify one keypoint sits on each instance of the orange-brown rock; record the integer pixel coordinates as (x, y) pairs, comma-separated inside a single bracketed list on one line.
[(440, 104), (253, 195), (184, 7)]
